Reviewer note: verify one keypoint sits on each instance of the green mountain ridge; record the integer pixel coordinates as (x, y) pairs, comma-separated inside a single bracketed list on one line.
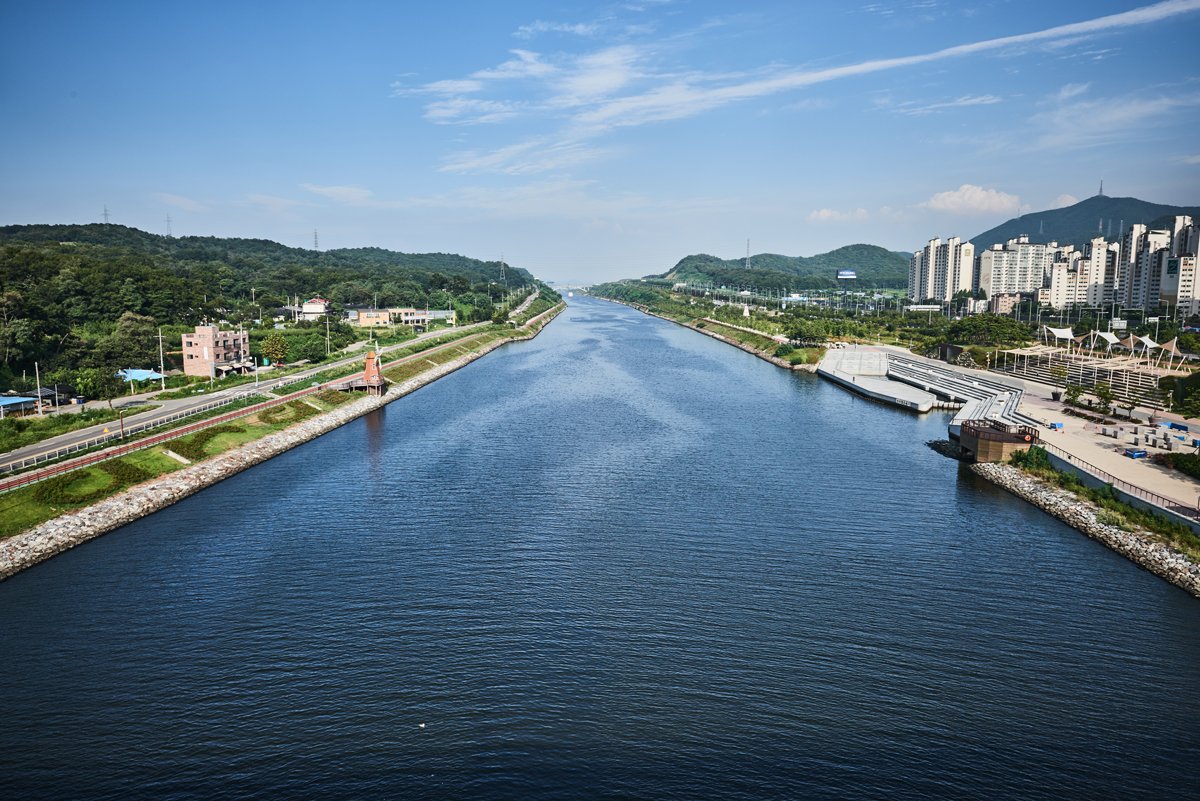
[(70, 294), (260, 260), (1078, 224), (875, 267)]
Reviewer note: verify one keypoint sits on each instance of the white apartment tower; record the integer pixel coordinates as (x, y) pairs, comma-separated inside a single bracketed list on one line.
[(1016, 266), (941, 269), (1131, 245), (1146, 277), (1178, 290)]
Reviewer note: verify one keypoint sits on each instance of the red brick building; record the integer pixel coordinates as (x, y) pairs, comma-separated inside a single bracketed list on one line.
[(213, 352)]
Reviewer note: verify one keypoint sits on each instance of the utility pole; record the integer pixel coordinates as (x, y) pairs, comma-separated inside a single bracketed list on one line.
[(326, 336), (162, 372), (38, 378)]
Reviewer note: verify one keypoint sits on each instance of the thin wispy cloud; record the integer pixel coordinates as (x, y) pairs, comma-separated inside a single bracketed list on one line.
[(625, 86), (1078, 121), (913, 109), (835, 216), (180, 202), (535, 155), (539, 27), (348, 195)]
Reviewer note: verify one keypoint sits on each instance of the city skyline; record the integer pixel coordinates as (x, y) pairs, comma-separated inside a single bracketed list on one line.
[(594, 141)]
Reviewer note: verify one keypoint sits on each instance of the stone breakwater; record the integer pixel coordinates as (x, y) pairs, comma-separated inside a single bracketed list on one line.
[(66, 531), (1139, 547)]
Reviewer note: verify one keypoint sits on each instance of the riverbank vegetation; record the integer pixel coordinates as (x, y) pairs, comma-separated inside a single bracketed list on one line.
[(26, 507), (814, 325), (1114, 512)]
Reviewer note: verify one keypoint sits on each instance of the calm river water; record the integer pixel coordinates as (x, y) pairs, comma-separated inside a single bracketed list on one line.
[(620, 561)]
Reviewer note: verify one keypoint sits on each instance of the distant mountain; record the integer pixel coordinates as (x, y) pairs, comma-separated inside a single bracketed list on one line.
[(1077, 224), (874, 266)]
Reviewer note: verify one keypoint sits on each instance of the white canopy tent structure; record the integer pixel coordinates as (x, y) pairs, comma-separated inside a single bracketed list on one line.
[(1059, 334)]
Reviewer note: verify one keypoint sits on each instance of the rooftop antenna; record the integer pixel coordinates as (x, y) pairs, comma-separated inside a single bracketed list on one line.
[(316, 243), (106, 214)]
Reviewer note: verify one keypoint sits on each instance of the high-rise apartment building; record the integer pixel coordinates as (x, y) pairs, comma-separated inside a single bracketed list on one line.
[(941, 269), (1016, 266)]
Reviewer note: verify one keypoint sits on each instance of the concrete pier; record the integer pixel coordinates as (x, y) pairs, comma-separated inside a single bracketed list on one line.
[(865, 372)]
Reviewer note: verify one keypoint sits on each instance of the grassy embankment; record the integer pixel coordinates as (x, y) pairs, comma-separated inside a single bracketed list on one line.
[(17, 432), (1113, 511), (26, 507), (692, 312)]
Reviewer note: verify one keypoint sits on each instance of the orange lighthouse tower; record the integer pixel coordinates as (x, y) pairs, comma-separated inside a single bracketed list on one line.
[(371, 375)]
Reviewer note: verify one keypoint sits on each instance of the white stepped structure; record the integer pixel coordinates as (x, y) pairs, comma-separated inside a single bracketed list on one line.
[(922, 384), (982, 397)]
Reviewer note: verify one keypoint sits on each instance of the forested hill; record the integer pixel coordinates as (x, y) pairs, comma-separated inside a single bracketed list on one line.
[(64, 288), (1077, 224), (874, 266), (232, 266)]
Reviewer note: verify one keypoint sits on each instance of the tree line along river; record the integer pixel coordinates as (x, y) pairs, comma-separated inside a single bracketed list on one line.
[(621, 560)]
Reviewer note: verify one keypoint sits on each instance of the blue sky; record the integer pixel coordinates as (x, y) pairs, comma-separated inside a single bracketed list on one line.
[(588, 141)]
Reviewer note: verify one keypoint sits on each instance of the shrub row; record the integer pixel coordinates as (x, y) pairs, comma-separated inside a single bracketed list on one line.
[(57, 490), (192, 448), (1186, 463), (331, 397)]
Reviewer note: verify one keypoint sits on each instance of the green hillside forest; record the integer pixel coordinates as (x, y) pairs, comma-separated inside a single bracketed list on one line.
[(874, 266), (85, 300)]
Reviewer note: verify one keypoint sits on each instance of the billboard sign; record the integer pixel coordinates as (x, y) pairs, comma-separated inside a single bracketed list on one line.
[(1119, 325), (846, 275)]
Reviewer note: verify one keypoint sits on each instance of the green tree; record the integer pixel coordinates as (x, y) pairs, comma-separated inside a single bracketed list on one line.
[(1073, 392), (807, 331), (132, 343), (275, 348), (1105, 395), (96, 382), (312, 348), (988, 329)]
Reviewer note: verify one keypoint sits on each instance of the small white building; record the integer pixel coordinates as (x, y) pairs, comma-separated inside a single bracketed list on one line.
[(315, 309)]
